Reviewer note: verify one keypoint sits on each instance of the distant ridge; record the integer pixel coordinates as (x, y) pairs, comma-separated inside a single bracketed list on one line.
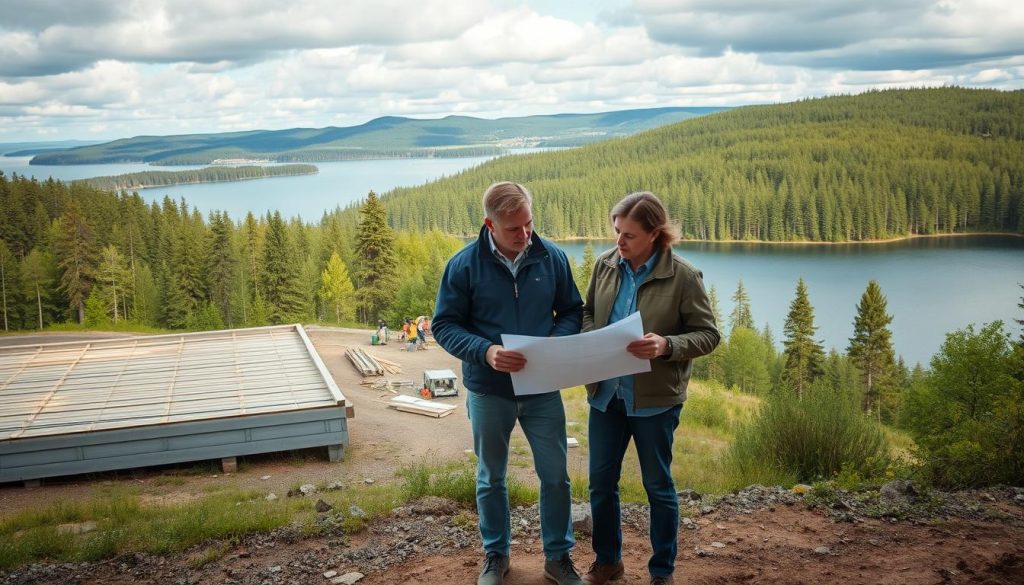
[(384, 137)]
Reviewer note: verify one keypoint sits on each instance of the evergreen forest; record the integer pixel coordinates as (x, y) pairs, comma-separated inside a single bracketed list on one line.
[(874, 166)]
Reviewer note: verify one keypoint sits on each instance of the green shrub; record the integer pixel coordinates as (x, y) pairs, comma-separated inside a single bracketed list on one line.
[(807, 439), (967, 415)]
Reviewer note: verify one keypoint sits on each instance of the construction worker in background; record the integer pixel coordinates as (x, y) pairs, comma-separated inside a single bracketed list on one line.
[(421, 334), (411, 337), (405, 329)]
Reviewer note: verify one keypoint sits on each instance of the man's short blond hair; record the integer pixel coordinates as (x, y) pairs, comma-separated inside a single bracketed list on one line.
[(506, 198)]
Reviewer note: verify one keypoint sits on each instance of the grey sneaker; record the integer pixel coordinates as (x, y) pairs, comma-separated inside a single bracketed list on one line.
[(494, 571), (562, 571)]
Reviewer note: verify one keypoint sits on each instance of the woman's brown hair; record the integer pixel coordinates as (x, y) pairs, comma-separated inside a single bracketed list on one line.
[(648, 211)]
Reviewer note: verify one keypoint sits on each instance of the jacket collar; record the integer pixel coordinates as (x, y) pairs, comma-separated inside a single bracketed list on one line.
[(663, 268), (537, 247)]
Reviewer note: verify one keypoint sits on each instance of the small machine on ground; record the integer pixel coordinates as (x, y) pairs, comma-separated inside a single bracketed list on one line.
[(439, 383)]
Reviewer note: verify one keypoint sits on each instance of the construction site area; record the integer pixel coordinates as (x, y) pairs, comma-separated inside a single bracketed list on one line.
[(392, 425)]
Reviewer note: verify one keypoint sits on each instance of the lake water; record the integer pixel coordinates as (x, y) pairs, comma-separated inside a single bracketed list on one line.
[(308, 196), (933, 285)]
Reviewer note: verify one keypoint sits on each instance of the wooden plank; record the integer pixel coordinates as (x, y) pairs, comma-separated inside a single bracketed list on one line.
[(417, 410), (420, 406)]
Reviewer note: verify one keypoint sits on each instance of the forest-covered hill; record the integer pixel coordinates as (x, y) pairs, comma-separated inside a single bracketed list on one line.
[(387, 137), (878, 165)]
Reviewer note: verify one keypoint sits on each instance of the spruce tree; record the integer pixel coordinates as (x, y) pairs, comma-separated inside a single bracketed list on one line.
[(37, 281), (741, 315), (186, 287), (871, 346), (6, 272), (377, 272), (282, 287), (222, 265), (804, 355), (586, 268), (76, 258)]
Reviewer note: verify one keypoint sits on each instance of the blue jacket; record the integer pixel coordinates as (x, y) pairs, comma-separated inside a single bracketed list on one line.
[(478, 300)]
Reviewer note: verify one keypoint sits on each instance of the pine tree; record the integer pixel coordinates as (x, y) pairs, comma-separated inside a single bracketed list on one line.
[(741, 315), (804, 355), (113, 279), (282, 287), (253, 241), (6, 272), (37, 281), (76, 258), (336, 289), (186, 287), (871, 346), (377, 272), (222, 265), (586, 268)]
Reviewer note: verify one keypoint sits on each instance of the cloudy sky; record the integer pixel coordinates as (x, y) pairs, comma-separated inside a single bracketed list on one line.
[(98, 69)]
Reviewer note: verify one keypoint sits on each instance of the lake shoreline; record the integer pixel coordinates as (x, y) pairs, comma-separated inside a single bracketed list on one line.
[(811, 242)]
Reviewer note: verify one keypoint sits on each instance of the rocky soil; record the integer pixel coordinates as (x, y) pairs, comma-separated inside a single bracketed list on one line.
[(898, 534)]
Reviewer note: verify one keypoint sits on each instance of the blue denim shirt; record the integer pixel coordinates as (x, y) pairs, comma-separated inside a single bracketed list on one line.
[(624, 306)]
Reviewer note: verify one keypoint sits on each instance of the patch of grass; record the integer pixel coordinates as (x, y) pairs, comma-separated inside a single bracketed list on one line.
[(519, 453), (167, 480), (124, 525), (214, 552), (456, 481)]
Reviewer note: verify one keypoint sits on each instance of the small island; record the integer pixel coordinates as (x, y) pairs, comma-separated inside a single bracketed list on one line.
[(215, 174)]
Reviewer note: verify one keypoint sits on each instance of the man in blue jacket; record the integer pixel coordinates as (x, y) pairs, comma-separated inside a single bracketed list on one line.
[(511, 281)]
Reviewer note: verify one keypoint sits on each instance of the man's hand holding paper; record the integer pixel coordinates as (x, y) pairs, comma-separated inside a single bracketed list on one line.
[(553, 363)]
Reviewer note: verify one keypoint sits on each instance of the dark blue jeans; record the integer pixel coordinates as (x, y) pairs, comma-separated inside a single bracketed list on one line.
[(610, 433), (542, 418)]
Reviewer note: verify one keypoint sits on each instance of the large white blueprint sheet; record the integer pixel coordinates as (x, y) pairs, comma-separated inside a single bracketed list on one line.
[(553, 363)]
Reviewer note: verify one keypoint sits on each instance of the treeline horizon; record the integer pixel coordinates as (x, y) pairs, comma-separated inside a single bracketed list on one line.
[(211, 174)]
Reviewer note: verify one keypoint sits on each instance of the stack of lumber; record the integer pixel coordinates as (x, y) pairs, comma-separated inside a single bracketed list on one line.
[(389, 366), (366, 365), (420, 406), (389, 385)]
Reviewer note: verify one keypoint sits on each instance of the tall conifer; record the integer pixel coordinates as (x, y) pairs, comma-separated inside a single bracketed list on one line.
[(871, 346), (282, 287), (803, 354), (76, 255), (222, 265), (378, 268), (741, 315)]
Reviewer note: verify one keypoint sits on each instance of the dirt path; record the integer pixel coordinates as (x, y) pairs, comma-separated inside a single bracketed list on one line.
[(776, 547)]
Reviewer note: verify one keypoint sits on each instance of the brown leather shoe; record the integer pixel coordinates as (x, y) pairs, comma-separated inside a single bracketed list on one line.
[(599, 574), (666, 580)]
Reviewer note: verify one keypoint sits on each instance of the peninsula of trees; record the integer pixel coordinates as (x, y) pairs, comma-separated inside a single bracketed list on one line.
[(875, 166), (216, 174)]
